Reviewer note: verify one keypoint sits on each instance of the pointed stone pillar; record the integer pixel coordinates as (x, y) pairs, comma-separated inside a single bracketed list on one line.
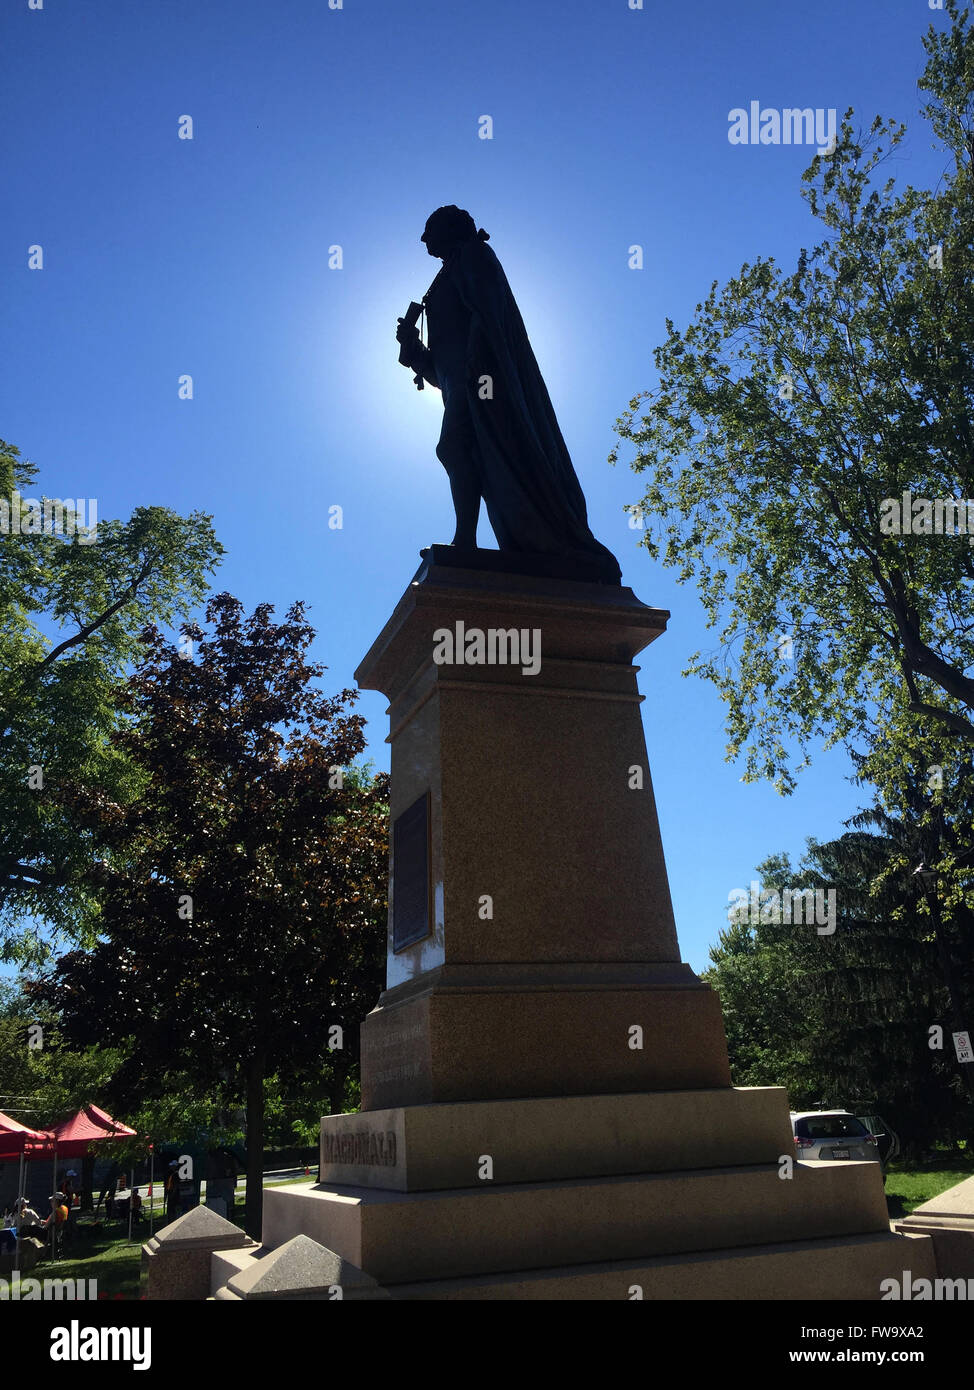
[(302, 1269), (176, 1261)]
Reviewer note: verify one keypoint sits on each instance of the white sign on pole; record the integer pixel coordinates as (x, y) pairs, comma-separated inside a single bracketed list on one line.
[(963, 1048)]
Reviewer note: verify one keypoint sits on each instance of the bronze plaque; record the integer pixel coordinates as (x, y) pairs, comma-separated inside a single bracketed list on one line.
[(411, 875)]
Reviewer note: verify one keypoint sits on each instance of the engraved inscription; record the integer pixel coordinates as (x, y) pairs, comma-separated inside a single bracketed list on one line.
[(411, 875), (401, 1073), (395, 1037), (365, 1147)]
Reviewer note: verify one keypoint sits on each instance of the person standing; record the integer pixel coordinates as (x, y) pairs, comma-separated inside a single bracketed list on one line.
[(173, 1202), (8, 1234), (54, 1224), (108, 1189)]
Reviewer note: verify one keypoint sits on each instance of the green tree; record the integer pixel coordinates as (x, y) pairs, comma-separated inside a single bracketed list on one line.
[(767, 1012), (242, 892), (43, 1078), (787, 413), (844, 1017), (71, 611)]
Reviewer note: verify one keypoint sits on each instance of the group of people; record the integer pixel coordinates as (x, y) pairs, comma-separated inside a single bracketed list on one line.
[(21, 1221), (119, 1201)]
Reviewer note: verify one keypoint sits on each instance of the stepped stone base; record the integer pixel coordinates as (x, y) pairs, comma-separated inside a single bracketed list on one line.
[(948, 1219), (425, 1147), (831, 1269), (683, 1193), (400, 1237)]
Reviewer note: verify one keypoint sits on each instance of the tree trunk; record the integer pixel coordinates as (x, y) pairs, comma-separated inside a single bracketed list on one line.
[(336, 1091), (954, 992), (255, 1146), (87, 1182)]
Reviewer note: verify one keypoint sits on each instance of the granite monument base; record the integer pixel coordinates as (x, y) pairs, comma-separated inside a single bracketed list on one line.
[(683, 1194), (546, 1100)]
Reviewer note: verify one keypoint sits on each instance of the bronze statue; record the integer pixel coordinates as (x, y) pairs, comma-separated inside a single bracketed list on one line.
[(500, 439)]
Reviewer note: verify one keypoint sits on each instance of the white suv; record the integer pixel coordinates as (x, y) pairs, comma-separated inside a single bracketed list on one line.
[(833, 1135)]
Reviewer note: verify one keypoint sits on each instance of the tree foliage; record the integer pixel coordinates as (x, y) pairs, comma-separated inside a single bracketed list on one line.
[(845, 1018), (787, 412), (71, 611), (43, 1079), (242, 892)]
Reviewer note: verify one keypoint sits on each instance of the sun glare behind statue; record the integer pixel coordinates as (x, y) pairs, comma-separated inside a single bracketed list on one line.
[(396, 426)]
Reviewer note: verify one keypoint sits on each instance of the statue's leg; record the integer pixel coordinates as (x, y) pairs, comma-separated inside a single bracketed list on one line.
[(466, 504), (457, 451)]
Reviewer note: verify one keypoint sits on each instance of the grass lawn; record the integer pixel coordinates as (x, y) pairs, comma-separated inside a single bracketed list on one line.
[(110, 1259), (909, 1186), (103, 1253)]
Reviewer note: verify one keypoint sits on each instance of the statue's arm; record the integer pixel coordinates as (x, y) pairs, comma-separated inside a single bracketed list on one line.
[(414, 355), (423, 363)]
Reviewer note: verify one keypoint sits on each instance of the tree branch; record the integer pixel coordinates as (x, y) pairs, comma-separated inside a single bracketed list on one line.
[(89, 629)]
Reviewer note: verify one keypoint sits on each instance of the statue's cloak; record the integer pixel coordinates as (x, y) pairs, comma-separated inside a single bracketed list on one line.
[(533, 497)]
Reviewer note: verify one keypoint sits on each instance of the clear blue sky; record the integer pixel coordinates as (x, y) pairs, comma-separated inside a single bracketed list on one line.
[(315, 127)]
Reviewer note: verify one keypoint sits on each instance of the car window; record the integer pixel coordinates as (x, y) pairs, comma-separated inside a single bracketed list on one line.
[(829, 1127)]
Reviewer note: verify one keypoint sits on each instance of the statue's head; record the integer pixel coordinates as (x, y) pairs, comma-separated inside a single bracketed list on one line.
[(446, 228)]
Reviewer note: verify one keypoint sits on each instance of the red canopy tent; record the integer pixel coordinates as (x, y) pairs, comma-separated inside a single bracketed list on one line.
[(69, 1139), (20, 1142), (89, 1126), (17, 1139)]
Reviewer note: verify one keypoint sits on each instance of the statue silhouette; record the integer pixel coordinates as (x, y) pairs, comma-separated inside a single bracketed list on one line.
[(500, 440)]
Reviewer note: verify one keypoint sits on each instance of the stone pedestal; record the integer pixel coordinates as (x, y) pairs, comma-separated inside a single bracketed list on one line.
[(546, 1100), (550, 928)]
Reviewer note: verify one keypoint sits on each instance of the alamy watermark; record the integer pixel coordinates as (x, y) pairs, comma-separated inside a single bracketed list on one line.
[(792, 125), (28, 1290), (921, 516), (495, 646), (50, 516), (804, 906), (77, 1343), (912, 1290)]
